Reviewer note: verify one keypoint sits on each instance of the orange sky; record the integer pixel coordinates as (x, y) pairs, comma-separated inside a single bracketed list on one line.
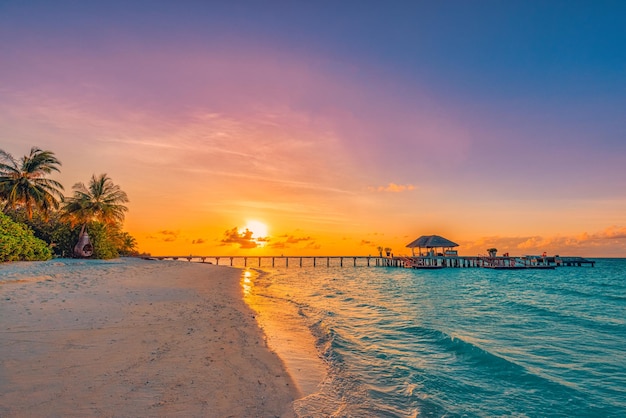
[(338, 143)]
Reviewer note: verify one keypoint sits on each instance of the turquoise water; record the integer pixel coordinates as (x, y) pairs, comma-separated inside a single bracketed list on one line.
[(463, 342)]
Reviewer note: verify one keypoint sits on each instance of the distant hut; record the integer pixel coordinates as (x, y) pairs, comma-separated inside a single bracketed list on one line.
[(431, 243)]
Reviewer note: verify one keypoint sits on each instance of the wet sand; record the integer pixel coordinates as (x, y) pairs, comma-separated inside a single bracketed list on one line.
[(134, 338), (288, 335)]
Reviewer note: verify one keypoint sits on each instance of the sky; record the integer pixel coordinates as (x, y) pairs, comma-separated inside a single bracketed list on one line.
[(331, 127)]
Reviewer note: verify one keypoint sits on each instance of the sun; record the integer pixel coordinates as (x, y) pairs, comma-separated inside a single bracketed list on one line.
[(259, 229)]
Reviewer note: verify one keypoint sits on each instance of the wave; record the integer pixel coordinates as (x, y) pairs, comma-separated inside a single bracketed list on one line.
[(568, 316), (487, 374), (460, 343)]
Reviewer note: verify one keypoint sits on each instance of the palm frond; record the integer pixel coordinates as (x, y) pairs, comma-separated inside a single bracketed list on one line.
[(23, 183), (101, 200)]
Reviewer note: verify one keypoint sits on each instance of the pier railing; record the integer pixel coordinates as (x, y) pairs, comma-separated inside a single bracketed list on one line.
[(382, 261)]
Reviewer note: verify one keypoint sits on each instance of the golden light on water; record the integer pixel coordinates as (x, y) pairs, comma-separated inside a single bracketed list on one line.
[(246, 283)]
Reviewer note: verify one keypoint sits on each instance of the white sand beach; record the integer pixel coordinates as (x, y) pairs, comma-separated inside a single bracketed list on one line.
[(134, 338)]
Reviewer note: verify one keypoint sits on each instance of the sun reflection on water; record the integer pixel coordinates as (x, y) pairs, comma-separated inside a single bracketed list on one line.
[(246, 283)]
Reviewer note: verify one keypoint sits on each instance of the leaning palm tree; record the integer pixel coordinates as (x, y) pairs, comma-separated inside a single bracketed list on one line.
[(101, 201), (23, 183)]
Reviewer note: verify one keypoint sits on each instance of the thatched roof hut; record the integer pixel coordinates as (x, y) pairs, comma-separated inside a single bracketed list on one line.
[(430, 242)]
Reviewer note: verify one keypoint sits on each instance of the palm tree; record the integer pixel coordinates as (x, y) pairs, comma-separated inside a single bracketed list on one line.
[(101, 201), (23, 183), (127, 243)]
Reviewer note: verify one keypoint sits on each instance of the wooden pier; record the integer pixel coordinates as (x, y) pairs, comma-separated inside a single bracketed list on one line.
[(283, 261), (417, 262)]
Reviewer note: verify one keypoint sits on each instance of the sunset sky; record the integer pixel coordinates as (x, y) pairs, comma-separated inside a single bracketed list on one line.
[(331, 127)]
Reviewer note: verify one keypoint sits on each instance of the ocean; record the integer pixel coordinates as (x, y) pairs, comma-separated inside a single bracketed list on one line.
[(460, 342)]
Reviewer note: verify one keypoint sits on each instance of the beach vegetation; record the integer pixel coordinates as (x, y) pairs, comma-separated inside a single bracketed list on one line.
[(109, 241), (104, 241), (24, 182), (34, 202), (99, 208), (57, 233), (126, 244), (18, 243)]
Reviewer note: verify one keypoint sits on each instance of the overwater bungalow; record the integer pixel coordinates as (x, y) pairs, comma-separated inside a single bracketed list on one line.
[(432, 249), (431, 243)]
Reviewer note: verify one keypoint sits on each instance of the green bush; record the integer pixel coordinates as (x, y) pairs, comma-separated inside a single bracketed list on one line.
[(103, 241), (58, 234), (17, 242)]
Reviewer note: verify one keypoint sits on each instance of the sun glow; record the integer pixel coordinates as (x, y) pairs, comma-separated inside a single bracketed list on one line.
[(259, 231)]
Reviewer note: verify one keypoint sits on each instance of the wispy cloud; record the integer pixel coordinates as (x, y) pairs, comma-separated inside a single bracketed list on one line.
[(313, 246), (288, 241), (295, 240), (612, 232), (278, 245), (165, 235), (393, 188), (610, 241)]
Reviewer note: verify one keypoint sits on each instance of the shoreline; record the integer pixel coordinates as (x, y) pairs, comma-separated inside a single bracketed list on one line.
[(287, 335), (134, 337)]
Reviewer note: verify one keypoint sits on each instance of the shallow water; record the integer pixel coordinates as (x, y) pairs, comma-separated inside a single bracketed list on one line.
[(462, 342)]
